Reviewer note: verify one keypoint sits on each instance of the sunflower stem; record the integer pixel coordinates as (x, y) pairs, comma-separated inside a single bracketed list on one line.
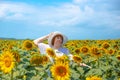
[(98, 63), (1, 77), (107, 60), (11, 78)]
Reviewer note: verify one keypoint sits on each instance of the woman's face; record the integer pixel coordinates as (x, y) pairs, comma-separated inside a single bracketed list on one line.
[(58, 41)]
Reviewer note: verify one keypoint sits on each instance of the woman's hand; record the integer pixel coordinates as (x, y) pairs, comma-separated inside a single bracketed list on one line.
[(83, 64), (50, 34)]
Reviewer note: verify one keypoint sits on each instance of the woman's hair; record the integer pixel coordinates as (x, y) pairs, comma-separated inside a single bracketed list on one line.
[(53, 39)]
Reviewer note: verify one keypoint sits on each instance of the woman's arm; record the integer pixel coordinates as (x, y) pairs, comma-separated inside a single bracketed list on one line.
[(41, 39), (81, 64)]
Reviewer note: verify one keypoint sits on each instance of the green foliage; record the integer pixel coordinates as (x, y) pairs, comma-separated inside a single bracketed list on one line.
[(107, 66)]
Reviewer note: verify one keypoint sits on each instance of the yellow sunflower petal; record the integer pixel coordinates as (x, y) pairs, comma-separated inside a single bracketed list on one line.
[(6, 62), (60, 71)]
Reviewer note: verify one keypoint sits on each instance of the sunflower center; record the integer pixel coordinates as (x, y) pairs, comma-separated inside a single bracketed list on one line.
[(106, 46), (61, 71), (78, 59), (110, 51), (118, 57), (7, 62), (28, 45), (51, 52), (77, 51), (84, 50), (95, 50)]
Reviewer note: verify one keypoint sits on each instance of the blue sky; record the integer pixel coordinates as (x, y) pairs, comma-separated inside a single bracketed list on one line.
[(77, 19)]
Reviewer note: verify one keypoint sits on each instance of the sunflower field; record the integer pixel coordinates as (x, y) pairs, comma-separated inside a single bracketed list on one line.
[(22, 60)]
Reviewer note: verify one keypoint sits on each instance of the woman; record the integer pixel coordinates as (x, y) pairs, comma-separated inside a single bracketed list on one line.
[(55, 41)]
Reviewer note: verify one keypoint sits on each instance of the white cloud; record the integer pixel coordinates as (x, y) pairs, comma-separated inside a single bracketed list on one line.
[(67, 14), (63, 15), (105, 20), (15, 11), (88, 10)]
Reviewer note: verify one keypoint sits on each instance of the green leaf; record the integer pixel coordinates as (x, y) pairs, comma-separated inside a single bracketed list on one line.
[(75, 75), (94, 72), (49, 78), (73, 65), (37, 77), (80, 70)]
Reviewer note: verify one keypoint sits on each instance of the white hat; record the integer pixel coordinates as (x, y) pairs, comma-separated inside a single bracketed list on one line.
[(54, 34)]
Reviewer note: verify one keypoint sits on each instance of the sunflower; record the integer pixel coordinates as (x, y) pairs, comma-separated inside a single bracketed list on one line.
[(45, 59), (95, 51), (7, 61), (116, 47), (77, 58), (50, 52), (106, 45), (93, 78), (36, 60), (77, 50), (16, 55), (28, 45), (62, 59), (110, 51), (60, 71), (84, 49), (118, 57)]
